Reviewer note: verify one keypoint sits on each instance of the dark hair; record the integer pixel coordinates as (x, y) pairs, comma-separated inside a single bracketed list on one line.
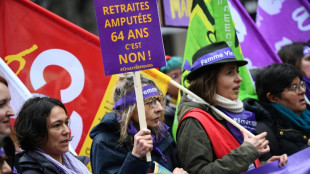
[(292, 53), (2, 80), (31, 122), (9, 148), (204, 85), (274, 79)]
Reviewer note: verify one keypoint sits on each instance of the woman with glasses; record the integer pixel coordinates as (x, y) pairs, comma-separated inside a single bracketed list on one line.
[(282, 107), (119, 146), (298, 55)]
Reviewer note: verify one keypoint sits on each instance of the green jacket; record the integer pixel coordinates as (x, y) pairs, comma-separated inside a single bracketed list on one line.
[(196, 154)]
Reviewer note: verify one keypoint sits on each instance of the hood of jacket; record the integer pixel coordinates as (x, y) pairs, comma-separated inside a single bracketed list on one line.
[(108, 123)]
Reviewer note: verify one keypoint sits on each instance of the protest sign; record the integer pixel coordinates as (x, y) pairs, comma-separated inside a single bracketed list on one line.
[(130, 40), (130, 36)]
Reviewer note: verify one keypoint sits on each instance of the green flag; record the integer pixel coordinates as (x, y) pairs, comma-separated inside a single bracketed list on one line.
[(211, 21)]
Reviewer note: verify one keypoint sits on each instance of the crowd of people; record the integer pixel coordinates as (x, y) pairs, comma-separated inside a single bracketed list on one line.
[(205, 141)]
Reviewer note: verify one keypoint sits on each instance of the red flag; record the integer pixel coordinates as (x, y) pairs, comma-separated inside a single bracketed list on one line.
[(54, 57)]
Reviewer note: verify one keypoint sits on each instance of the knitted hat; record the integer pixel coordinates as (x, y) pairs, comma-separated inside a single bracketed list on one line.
[(172, 63)]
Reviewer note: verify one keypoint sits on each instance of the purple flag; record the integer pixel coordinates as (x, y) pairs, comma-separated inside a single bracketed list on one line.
[(297, 163), (254, 47), (176, 13), (283, 21)]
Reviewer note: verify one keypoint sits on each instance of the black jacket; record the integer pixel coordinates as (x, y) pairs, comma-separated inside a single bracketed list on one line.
[(31, 162), (108, 156), (290, 138)]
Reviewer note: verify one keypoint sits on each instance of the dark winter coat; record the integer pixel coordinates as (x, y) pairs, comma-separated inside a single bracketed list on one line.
[(108, 156), (289, 138), (31, 162), (196, 154)]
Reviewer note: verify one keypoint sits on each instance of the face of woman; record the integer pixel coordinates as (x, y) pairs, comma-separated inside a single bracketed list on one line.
[(153, 111), (5, 168), (6, 110), (58, 133), (175, 74), (305, 66), (293, 99), (228, 81)]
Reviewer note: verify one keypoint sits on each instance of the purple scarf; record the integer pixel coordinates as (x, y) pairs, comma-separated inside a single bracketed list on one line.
[(133, 131), (245, 118)]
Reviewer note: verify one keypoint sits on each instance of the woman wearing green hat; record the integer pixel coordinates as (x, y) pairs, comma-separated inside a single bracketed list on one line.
[(206, 142), (173, 70)]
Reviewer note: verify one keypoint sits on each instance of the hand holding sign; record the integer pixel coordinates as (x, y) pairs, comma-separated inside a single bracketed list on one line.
[(140, 106), (130, 40)]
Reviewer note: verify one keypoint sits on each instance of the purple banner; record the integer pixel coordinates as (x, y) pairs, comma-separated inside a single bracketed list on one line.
[(283, 21), (297, 163), (130, 37), (177, 12), (254, 47)]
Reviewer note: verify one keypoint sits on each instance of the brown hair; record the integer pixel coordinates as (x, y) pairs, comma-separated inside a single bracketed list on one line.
[(31, 123), (2, 80), (205, 85), (292, 53)]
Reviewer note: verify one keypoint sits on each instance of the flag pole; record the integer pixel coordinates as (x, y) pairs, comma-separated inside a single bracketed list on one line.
[(140, 106), (176, 84)]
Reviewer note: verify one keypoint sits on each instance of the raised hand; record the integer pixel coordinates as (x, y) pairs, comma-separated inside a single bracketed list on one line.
[(258, 141)]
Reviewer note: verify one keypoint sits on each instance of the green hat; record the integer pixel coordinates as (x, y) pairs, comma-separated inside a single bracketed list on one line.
[(173, 62)]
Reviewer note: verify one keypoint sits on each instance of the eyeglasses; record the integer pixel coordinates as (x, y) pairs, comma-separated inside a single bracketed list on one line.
[(296, 88), (151, 101)]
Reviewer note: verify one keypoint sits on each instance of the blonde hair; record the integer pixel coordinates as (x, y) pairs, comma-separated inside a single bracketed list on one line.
[(124, 86)]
